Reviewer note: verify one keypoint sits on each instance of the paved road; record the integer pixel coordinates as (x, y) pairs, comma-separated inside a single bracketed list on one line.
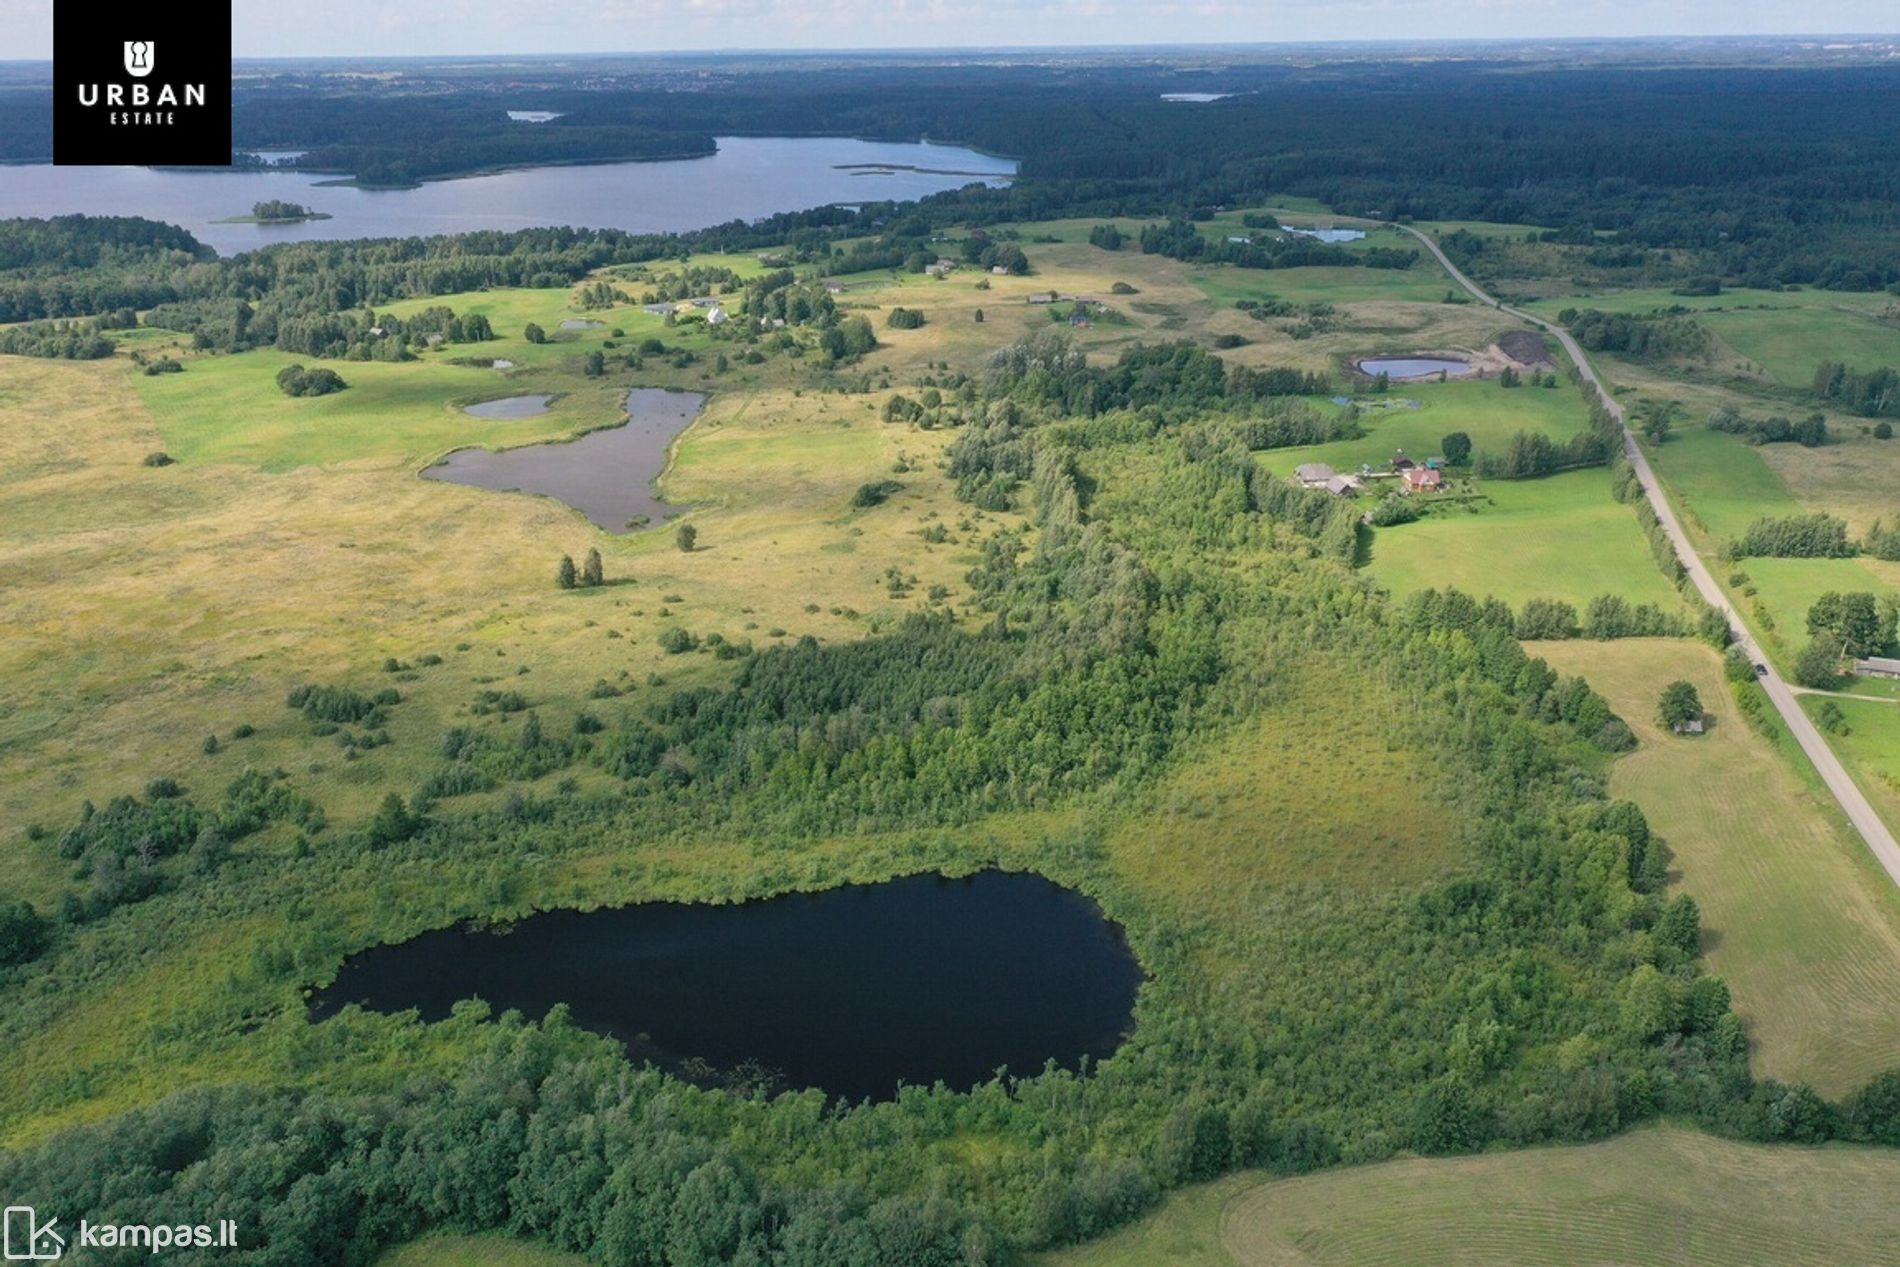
[(1853, 802)]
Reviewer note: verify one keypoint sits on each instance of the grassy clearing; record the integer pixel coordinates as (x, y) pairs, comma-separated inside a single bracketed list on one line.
[(1796, 917), (149, 607), (1724, 483), (1488, 413), (1856, 478), (1561, 537), (1663, 1196), (1871, 746), (1785, 334)]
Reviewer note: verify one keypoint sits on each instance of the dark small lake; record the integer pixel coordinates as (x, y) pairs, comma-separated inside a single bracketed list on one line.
[(510, 407), (854, 990), (606, 475)]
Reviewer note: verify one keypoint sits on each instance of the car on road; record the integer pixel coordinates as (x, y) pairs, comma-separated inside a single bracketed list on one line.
[(1761, 670)]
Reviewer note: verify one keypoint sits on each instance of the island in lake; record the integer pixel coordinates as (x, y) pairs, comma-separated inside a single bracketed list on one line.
[(276, 211)]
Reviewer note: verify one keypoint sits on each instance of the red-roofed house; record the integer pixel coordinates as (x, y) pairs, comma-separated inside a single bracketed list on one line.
[(1423, 479)]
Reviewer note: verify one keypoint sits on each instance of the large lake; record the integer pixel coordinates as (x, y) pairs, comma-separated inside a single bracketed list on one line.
[(748, 178), (853, 990)]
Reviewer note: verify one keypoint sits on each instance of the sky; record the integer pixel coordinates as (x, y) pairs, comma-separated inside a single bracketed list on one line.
[(401, 28)]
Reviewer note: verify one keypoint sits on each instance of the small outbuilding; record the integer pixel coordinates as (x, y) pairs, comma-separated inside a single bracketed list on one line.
[(1692, 726), (1877, 666)]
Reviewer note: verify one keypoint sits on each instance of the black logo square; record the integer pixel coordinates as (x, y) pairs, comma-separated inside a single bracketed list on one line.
[(135, 87)]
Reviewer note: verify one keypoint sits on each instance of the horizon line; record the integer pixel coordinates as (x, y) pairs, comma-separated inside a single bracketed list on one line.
[(945, 50)]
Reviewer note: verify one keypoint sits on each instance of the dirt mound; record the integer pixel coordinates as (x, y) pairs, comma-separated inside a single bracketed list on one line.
[(1525, 347)]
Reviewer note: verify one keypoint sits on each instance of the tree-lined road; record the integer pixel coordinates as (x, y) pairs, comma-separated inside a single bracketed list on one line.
[(1853, 802)]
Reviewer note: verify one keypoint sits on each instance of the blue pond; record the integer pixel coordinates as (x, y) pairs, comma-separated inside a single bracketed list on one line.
[(1405, 367)]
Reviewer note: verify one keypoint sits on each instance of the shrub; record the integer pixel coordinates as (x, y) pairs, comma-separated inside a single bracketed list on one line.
[(874, 494), (295, 380)]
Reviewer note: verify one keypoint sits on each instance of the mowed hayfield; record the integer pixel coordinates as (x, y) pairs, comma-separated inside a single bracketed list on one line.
[(1561, 537), (1796, 916), (1662, 1197)]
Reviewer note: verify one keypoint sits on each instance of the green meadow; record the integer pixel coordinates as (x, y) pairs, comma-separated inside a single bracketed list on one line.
[(1785, 333), (1656, 1198), (1561, 537)]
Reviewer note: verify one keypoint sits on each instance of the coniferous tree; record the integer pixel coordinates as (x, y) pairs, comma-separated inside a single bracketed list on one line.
[(591, 571), (566, 576)]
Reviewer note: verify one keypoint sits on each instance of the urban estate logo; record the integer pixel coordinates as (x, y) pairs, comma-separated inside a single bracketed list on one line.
[(116, 103)]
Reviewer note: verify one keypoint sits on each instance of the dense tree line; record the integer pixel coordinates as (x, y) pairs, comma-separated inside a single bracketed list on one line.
[(1816, 536), (1181, 240), (1869, 393), (1651, 337), (1810, 432), (57, 340)]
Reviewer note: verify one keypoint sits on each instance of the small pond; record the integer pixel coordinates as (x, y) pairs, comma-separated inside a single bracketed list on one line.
[(581, 323), (510, 406), (853, 990), (1330, 235), (606, 475), (1400, 368)]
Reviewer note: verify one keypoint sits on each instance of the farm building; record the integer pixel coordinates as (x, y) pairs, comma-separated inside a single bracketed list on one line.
[(1342, 486), (1313, 474), (716, 316), (1423, 479), (938, 269), (1877, 666), (1693, 726)]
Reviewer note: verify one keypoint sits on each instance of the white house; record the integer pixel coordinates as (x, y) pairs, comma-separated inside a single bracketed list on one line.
[(716, 316)]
